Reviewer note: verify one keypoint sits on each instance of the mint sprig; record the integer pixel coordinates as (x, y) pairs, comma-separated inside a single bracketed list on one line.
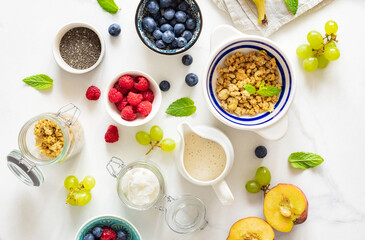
[(292, 5), (250, 89), (40, 81), (182, 107), (304, 160), (268, 91), (109, 5)]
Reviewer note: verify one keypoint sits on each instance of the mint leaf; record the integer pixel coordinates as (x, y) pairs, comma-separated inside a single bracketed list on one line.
[(40, 81), (293, 5), (304, 160), (182, 107), (268, 91), (109, 5), (250, 89)]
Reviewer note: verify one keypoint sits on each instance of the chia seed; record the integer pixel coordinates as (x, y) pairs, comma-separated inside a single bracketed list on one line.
[(80, 48)]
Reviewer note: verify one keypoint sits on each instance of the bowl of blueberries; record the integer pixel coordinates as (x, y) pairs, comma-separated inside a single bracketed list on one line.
[(168, 26)]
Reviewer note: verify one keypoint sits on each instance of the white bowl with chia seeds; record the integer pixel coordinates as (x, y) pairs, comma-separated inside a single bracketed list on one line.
[(78, 47)]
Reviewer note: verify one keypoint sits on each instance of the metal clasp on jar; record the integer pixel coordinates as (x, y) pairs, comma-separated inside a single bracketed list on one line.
[(70, 118)]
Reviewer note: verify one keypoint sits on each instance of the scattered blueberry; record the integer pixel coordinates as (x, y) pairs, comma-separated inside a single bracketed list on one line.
[(165, 3), (160, 44), (164, 86), (183, 6), (187, 60), (114, 29), (187, 35), (180, 16), (169, 13), (181, 42), (166, 27), (89, 236), (173, 22), (190, 24), (149, 24), (161, 21), (168, 37), (261, 152), (122, 235), (152, 7), (97, 231), (174, 44), (191, 79), (179, 29), (157, 34)]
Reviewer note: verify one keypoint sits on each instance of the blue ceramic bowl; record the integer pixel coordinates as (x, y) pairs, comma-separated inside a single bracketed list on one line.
[(149, 41), (117, 223)]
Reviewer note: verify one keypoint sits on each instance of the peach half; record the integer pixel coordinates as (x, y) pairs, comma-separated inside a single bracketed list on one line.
[(284, 206), (251, 228)]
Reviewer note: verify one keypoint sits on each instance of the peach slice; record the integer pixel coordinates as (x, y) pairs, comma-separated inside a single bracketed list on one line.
[(251, 228), (284, 206)]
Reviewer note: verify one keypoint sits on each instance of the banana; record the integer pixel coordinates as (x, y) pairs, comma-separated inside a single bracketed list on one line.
[(260, 5)]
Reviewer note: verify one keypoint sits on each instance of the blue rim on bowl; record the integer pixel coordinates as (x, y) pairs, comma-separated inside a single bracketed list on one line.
[(286, 78), (141, 12), (115, 222)]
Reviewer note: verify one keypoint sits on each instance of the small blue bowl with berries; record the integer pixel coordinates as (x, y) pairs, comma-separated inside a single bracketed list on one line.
[(108, 227), (168, 26)]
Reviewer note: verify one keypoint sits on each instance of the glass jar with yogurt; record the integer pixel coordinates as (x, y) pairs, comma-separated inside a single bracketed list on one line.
[(141, 186), (44, 140)]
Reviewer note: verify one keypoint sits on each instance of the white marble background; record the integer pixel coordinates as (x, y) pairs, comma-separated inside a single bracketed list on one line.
[(326, 117)]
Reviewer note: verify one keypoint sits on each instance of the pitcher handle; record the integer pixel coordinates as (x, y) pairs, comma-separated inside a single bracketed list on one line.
[(221, 34), (275, 131), (223, 192)]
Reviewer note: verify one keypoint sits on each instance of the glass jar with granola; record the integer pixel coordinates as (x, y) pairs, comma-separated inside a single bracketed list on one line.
[(44, 140)]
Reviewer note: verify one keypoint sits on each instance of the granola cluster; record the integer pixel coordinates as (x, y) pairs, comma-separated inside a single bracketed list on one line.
[(240, 70), (49, 138)]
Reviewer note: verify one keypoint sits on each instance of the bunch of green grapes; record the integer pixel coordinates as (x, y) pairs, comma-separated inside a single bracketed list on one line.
[(261, 182), (155, 139), (79, 192), (320, 50)]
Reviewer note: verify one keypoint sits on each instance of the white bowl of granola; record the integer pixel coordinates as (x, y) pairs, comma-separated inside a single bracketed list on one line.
[(249, 83)]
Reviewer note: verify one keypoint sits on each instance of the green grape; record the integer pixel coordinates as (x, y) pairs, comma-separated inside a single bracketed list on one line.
[(310, 64), (331, 44), (331, 27), (332, 54), (322, 62), (88, 182), (143, 138), (71, 182), (253, 186), (156, 133), (315, 39), (263, 176), (168, 145), (304, 51), (83, 197), (71, 199)]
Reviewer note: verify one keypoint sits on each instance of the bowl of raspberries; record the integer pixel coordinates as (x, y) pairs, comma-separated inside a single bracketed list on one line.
[(168, 26), (108, 227), (132, 98)]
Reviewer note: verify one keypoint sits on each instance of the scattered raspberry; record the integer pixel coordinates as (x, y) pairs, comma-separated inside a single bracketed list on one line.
[(120, 89), (111, 134), (128, 114), (114, 96), (126, 81), (144, 108), (134, 98), (148, 95), (121, 104), (93, 93), (142, 84), (108, 234)]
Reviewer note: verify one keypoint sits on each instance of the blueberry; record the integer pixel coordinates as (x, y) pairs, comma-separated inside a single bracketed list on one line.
[(180, 16), (121, 235), (173, 22), (187, 35), (164, 86), (152, 7), (114, 29), (181, 42), (165, 3), (187, 60), (166, 27), (179, 29), (173, 45), (190, 24), (160, 44), (89, 236), (97, 231), (173, 4), (161, 21), (169, 13), (157, 15), (168, 36), (261, 152), (183, 6), (191, 79), (149, 24), (157, 34)]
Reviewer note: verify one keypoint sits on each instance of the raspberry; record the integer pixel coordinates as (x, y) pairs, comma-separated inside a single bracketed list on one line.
[(120, 89), (93, 93), (148, 95), (126, 81), (142, 84), (114, 96), (121, 104), (134, 98), (144, 108), (108, 234), (111, 134), (128, 113)]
